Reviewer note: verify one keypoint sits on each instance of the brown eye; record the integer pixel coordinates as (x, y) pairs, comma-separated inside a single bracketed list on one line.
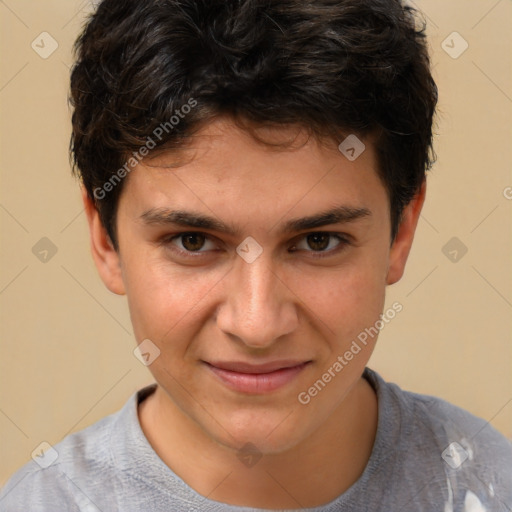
[(189, 243), (318, 241), (192, 241), (320, 244)]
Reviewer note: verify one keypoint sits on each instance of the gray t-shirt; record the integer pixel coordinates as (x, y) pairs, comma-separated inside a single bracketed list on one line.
[(428, 455)]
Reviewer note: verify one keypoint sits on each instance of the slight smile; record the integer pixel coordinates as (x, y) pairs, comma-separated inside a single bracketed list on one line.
[(256, 379)]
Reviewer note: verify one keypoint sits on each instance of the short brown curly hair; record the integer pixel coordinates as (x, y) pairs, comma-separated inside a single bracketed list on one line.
[(331, 66)]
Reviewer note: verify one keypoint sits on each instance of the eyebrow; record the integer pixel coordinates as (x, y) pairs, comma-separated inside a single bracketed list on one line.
[(336, 215)]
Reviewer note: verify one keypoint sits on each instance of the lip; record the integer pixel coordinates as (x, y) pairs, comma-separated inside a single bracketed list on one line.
[(256, 379)]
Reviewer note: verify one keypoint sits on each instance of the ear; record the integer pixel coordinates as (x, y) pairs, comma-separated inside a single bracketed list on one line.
[(405, 235), (105, 256)]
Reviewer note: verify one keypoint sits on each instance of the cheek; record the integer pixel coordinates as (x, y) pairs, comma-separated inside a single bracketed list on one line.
[(345, 301), (164, 302)]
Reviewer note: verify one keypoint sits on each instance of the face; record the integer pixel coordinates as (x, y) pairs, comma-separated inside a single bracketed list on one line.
[(255, 304)]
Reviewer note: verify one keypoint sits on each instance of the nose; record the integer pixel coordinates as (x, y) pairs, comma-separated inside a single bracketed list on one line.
[(258, 306)]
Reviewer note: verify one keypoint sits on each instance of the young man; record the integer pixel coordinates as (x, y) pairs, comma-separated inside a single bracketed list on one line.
[(253, 172)]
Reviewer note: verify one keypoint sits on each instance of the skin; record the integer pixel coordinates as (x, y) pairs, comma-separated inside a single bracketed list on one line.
[(286, 304)]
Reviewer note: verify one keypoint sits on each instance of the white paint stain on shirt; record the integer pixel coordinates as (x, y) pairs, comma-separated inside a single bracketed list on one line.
[(472, 503)]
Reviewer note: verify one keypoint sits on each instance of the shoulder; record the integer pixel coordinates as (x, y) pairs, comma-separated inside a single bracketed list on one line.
[(459, 453), (448, 424), (439, 421), (55, 476), (475, 457)]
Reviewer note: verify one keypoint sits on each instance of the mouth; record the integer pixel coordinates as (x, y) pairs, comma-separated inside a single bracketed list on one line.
[(256, 379)]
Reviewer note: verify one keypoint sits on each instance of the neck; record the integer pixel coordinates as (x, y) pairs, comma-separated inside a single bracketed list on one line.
[(311, 474)]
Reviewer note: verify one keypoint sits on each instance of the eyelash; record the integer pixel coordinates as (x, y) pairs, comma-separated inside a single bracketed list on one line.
[(343, 242)]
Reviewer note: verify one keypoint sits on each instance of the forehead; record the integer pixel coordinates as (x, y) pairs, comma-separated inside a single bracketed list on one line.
[(224, 169)]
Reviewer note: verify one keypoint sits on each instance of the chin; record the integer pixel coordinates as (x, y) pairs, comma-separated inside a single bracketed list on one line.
[(270, 435)]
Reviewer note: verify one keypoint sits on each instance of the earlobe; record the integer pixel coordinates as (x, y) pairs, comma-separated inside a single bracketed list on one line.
[(103, 252), (403, 241)]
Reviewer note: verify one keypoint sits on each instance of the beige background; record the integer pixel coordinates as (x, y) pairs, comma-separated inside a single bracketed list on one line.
[(66, 342)]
